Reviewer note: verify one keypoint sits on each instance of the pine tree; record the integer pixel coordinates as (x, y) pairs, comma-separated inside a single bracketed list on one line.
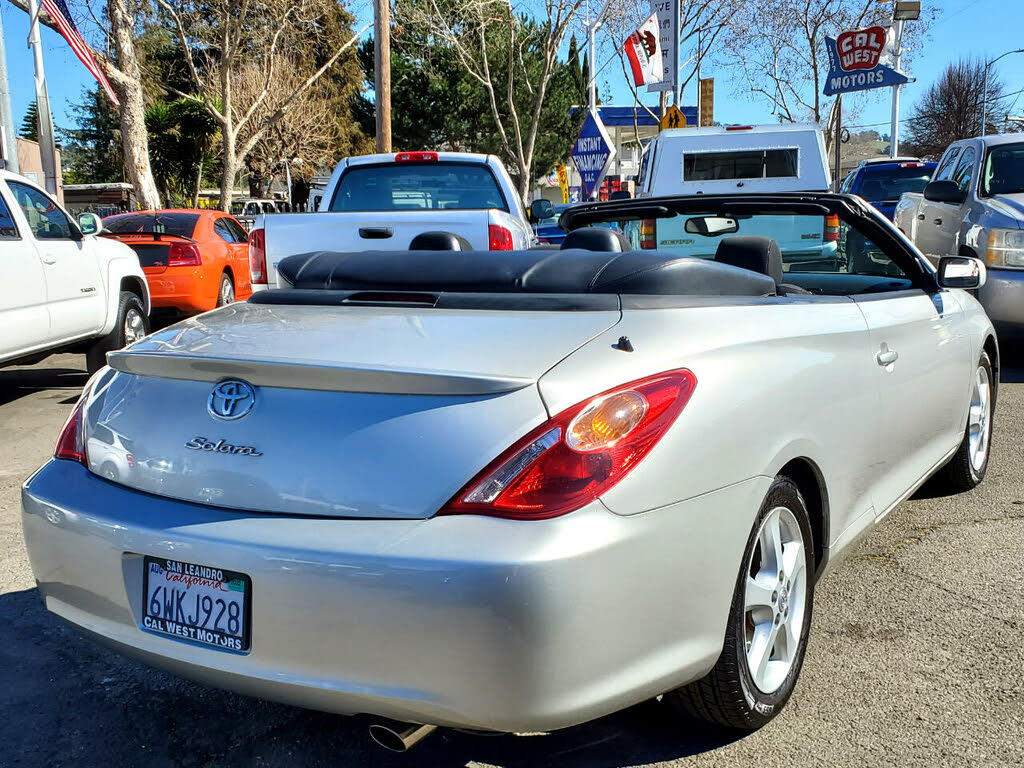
[(30, 125)]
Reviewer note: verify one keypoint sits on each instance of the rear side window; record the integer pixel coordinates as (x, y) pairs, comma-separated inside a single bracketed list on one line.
[(181, 224), (8, 229), (236, 229), (418, 186), (750, 164), (225, 232)]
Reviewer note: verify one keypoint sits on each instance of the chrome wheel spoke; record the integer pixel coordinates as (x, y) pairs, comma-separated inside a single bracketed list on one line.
[(979, 418), (758, 595), (771, 545), (760, 652)]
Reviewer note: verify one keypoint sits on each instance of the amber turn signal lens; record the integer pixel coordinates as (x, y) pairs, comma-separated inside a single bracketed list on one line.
[(606, 420)]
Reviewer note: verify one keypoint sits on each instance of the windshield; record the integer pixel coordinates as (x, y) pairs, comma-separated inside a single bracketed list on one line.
[(418, 186), (181, 224), (1004, 170), (884, 183)]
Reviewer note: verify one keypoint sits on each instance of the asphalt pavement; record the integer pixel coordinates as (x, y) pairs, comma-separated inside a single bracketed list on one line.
[(916, 655)]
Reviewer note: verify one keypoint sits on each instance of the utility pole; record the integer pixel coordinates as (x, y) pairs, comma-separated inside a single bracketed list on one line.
[(10, 149), (381, 71), (984, 94), (47, 150)]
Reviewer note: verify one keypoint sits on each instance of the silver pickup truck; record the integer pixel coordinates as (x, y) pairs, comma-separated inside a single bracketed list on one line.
[(974, 206)]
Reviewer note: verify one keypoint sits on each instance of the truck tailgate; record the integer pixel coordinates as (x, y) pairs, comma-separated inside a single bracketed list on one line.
[(288, 234)]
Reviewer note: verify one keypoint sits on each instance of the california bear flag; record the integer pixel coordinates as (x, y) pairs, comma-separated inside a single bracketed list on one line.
[(644, 53)]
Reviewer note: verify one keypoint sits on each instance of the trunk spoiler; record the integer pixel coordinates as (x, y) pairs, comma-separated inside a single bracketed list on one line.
[(290, 374)]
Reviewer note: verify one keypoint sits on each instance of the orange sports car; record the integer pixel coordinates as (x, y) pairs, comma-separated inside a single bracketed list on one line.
[(194, 260)]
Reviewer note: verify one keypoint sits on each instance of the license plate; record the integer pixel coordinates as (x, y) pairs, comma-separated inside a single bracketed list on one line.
[(200, 603)]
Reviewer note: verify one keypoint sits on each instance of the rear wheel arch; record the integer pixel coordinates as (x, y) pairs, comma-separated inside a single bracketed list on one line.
[(991, 348), (808, 478), (135, 285)]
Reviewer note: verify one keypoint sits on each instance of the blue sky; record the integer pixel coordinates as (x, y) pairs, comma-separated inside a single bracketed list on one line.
[(962, 28)]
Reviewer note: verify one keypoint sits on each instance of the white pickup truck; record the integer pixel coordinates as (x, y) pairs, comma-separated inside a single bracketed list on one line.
[(62, 288), (383, 202)]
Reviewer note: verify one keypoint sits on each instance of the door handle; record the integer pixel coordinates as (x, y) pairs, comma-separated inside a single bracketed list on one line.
[(938, 222), (47, 260), (376, 233), (886, 356), (920, 217)]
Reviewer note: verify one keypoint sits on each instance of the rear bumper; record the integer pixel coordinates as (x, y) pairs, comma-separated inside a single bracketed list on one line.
[(186, 290), (462, 621), (1003, 299)]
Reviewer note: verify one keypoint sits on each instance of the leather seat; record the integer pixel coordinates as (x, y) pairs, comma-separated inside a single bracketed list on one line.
[(758, 254), (439, 241), (596, 239)]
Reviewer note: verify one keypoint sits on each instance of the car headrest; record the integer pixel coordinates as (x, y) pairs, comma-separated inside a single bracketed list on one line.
[(758, 254), (596, 239), (439, 241)]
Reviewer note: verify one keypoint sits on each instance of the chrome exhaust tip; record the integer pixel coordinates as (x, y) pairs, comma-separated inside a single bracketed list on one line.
[(400, 737)]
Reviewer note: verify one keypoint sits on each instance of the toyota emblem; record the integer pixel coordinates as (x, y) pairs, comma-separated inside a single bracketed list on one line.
[(231, 399)]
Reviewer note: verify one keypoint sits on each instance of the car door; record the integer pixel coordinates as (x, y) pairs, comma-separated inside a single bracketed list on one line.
[(74, 290), (24, 321), (939, 223), (921, 354)]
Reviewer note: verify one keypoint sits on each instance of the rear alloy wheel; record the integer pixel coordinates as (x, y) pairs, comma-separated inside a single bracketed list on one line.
[(226, 295), (970, 462), (769, 621)]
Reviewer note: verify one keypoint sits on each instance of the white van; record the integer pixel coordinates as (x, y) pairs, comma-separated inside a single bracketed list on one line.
[(740, 159)]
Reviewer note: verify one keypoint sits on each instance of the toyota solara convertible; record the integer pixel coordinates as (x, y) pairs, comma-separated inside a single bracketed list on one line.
[(516, 491)]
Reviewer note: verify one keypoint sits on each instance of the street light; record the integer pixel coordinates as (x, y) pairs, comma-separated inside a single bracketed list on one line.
[(902, 10), (984, 94)]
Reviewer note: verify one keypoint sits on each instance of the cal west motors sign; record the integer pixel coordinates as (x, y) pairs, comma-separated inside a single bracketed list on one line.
[(855, 62)]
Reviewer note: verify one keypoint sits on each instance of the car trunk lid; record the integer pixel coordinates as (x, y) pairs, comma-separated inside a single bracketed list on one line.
[(375, 412)]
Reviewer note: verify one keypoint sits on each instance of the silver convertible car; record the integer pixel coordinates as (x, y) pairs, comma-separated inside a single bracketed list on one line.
[(516, 491)]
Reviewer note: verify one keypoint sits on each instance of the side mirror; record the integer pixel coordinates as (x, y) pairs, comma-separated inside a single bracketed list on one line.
[(90, 223), (944, 192), (541, 209), (962, 272)]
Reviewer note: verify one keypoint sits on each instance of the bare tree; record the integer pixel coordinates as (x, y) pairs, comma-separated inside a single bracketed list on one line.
[(778, 46), (221, 40), (493, 39), (950, 109), (120, 63)]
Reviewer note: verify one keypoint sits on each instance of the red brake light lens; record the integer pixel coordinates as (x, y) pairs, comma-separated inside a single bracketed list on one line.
[(648, 240), (499, 238), (578, 455), (416, 157), (183, 255), (258, 257), (739, 127), (71, 443), (831, 233)]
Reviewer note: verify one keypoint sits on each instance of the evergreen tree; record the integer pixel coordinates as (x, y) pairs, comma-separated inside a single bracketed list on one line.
[(30, 125), (92, 149)]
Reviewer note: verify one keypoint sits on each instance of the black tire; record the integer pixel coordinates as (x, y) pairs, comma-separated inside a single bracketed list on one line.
[(129, 305), (959, 474), (727, 697), (109, 471), (226, 290)]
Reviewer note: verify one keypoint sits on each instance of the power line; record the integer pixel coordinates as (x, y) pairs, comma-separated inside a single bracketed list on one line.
[(931, 114)]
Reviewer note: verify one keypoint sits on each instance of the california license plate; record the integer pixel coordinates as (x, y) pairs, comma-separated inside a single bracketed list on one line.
[(200, 603)]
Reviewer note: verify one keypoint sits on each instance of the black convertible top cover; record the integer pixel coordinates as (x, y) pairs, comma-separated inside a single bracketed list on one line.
[(571, 271)]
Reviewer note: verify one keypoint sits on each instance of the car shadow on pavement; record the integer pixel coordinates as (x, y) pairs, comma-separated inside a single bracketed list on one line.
[(65, 700), (16, 383)]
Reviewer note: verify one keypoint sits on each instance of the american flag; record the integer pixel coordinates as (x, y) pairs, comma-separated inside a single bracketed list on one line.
[(59, 12)]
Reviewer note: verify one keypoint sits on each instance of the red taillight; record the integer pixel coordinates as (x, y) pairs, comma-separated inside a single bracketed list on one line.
[(739, 127), (499, 238), (416, 157), (831, 233), (71, 443), (648, 240), (576, 456), (911, 165), (183, 255), (257, 257)]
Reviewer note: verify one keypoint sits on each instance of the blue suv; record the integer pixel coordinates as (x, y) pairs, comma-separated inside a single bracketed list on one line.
[(881, 182)]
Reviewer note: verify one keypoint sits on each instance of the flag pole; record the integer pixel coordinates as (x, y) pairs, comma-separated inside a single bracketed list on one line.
[(47, 149)]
